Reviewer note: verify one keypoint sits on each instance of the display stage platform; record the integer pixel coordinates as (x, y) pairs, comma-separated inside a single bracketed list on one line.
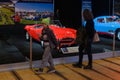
[(102, 70), (60, 60)]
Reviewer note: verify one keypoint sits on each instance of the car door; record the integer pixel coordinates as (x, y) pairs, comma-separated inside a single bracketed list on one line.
[(100, 24)]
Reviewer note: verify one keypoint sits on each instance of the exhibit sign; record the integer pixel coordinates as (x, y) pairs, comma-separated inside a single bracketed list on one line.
[(86, 4), (68, 50)]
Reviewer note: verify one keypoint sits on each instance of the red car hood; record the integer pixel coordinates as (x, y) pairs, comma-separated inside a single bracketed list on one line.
[(62, 33)]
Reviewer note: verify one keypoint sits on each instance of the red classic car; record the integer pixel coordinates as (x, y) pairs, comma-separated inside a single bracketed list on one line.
[(65, 36)]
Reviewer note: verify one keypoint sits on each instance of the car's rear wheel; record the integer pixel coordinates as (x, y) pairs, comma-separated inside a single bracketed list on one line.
[(118, 34), (27, 36)]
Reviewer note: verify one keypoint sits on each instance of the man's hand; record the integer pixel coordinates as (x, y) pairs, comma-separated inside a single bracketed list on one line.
[(40, 35), (58, 47)]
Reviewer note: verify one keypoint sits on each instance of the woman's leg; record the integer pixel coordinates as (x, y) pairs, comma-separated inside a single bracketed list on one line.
[(81, 48), (79, 63), (89, 53)]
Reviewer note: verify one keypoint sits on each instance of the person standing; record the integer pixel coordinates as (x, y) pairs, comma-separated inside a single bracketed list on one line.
[(49, 43), (86, 46), (17, 18)]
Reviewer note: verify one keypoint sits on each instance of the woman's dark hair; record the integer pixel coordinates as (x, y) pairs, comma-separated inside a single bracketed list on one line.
[(87, 14)]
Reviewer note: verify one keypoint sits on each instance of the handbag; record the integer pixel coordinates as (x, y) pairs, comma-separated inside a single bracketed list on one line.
[(96, 37)]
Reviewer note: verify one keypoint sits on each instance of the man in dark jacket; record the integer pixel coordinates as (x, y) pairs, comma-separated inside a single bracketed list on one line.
[(49, 43)]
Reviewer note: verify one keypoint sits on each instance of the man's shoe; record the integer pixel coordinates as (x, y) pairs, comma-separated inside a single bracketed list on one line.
[(51, 71), (77, 65), (39, 71), (88, 67)]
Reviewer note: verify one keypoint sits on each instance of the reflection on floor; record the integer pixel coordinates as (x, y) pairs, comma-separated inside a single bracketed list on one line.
[(9, 53), (103, 69)]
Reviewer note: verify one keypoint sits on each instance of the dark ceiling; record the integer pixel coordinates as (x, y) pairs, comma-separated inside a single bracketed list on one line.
[(70, 10)]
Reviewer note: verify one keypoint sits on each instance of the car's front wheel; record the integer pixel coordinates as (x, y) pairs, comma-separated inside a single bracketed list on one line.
[(27, 36), (118, 34)]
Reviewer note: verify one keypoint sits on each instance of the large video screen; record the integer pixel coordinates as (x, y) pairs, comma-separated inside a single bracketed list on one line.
[(14, 16), (25, 12)]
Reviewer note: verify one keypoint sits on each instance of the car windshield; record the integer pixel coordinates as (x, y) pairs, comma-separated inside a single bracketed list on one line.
[(111, 19), (56, 22), (38, 26), (107, 19)]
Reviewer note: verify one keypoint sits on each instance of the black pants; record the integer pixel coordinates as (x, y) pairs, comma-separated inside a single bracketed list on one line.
[(85, 49)]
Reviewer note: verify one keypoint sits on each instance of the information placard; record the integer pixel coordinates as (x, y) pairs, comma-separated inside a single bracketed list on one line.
[(67, 50)]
